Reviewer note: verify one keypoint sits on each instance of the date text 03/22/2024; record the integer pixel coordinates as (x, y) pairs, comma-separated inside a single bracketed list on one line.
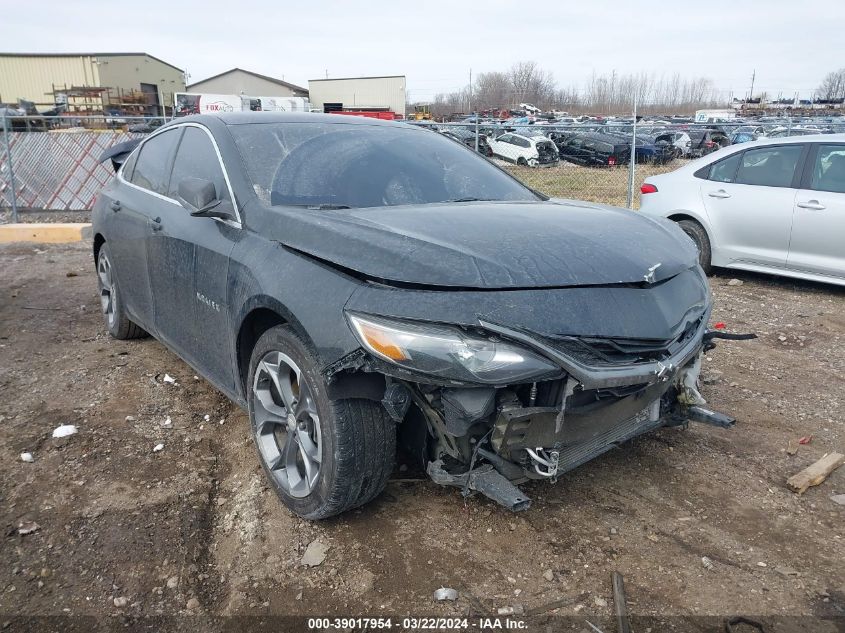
[(418, 624)]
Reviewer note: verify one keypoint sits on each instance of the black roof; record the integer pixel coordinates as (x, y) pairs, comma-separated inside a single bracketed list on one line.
[(604, 138), (240, 118)]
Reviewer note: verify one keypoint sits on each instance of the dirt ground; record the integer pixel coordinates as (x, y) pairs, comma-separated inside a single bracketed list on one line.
[(125, 532)]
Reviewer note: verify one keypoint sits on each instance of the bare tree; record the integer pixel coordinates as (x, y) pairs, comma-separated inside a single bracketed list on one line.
[(832, 87), (491, 90), (531, 84), (608, 93)]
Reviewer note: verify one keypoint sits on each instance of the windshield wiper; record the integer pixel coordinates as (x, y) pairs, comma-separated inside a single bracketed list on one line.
[(318, 207), (470, 200)]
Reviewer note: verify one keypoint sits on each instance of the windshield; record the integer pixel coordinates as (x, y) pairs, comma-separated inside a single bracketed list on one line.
[(355, 165)]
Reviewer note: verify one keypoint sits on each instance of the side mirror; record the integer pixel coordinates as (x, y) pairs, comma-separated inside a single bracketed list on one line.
[(199, 196)]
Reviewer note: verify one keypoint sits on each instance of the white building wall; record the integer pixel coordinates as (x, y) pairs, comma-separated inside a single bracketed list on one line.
[(360, 92)]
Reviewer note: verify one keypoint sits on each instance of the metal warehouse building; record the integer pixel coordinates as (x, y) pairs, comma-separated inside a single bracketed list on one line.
[(88, 81), (238, 81), (359, 93)]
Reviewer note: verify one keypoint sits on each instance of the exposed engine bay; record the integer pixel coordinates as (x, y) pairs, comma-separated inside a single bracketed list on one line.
[(489, 439)]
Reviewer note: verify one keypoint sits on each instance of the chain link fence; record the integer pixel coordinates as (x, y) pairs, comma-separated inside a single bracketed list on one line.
[(53, 164)]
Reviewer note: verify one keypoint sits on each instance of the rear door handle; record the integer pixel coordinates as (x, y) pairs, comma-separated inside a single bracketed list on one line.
[(721, 193), (155, 224), (812, 204), (115, 205)]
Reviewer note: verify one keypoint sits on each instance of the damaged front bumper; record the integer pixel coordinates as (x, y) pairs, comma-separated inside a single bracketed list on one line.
[(489, 438), (528, 443)]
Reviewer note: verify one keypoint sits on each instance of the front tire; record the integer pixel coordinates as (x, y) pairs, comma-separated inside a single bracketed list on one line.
[(322, 456), (702, 242), (117, 322)]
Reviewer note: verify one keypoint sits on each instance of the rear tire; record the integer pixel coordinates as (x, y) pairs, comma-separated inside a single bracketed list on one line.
[(521, 162), (118, 324), (702, 242), (343, 450)]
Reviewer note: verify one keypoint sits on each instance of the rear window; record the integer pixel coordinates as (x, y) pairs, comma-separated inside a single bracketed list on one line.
[(725, 169), (357, 165), (152, 167)]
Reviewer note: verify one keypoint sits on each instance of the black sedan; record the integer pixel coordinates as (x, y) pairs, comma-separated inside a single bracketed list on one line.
[(468, 138), (356, 283)]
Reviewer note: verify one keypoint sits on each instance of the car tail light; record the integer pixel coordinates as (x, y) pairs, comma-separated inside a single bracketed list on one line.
[(648, 188), (611, 161)]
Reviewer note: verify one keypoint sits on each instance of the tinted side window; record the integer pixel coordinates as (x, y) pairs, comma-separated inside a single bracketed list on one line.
[(152, 168), (196, 158), (522, 142), (725, 169), (129, 166), (769, 166), (829, 169), (504, 138)]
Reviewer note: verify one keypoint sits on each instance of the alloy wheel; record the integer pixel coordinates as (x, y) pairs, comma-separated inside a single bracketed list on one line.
[(108, 291), (286, 424)]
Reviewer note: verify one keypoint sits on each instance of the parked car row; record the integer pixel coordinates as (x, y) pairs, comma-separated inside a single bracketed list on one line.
[(594, 143)]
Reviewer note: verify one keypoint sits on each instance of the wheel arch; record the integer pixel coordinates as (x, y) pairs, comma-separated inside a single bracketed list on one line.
[(99, 240), (258, 315), (677, 216), (264, 313)]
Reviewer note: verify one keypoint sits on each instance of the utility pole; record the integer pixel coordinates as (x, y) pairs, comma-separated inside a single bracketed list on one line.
[(469, 105), (8, 145), (753, 75), (633, 161)]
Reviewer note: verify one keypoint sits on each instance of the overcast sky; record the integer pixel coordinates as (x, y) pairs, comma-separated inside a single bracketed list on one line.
[(435, 44)]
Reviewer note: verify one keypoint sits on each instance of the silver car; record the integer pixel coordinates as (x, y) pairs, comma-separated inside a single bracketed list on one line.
[(774, 206)]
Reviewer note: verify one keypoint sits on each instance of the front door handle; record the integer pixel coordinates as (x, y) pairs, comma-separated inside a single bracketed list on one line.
[(721, 193), (155, 224), (115, 205), (812, 204)]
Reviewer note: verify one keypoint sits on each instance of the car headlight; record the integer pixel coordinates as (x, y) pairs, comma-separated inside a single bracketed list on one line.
[(448, 352)]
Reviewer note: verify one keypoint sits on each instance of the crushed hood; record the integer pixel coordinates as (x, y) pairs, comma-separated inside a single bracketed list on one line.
[(488, 245)]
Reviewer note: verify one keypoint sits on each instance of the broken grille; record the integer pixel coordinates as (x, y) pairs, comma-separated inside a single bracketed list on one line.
[(623, 351)]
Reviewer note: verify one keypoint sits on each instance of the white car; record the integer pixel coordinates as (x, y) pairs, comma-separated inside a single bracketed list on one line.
[(774, 206), (531, 151)]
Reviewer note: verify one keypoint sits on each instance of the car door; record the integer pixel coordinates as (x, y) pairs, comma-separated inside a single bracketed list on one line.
[(138, 201), (817, 244), (503, 147), (749, 198), (189, 261), (590, 152), (525, 149), (575, 151)]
